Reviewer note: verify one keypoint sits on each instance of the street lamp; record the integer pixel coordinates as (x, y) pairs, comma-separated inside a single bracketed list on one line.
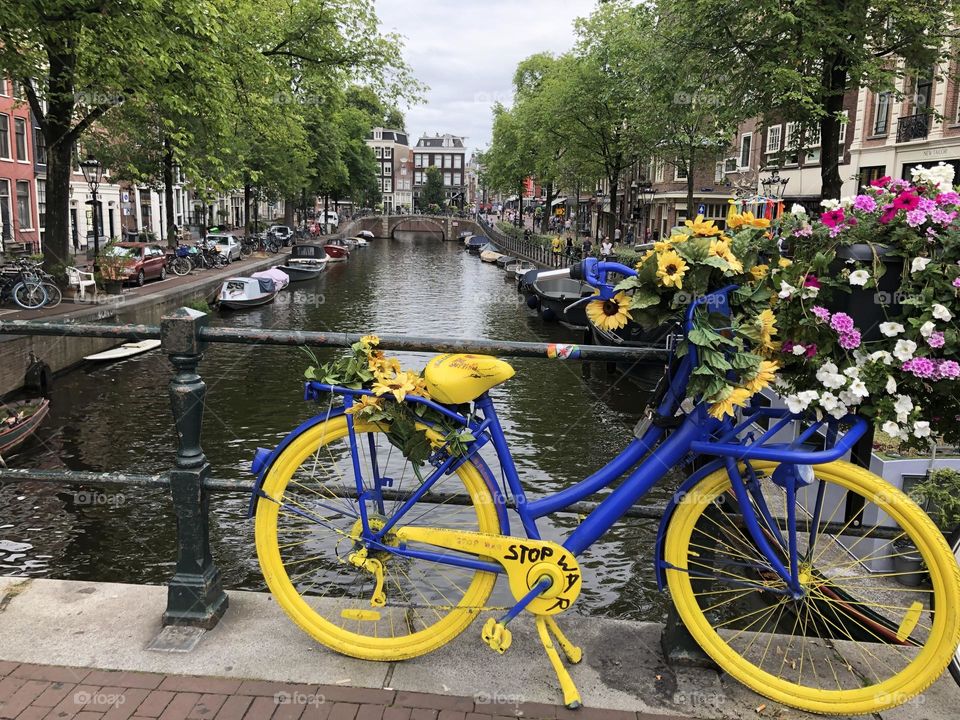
[(93, 174), (774, 186), (646, 193)]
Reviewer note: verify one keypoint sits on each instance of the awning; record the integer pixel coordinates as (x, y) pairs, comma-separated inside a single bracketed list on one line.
[(558, 201)]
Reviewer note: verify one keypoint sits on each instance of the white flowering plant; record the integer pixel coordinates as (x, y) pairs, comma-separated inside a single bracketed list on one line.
[(874, 331)]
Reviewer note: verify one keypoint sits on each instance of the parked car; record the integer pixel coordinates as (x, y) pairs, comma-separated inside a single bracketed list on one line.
[(140, 261), (280, 232), (226, 245)]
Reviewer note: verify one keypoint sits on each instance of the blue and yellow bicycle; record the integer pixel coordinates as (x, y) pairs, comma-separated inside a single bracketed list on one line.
[(779, 557)]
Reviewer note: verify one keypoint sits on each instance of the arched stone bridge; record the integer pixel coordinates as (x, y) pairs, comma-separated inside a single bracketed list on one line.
[(384, 226)]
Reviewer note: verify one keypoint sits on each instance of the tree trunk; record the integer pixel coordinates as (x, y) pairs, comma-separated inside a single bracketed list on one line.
[(168, 192), (246, 207), (691, 159), (548, 212), (835, 84), (612, 220), (520, 204), (56, 244), (288, 208)]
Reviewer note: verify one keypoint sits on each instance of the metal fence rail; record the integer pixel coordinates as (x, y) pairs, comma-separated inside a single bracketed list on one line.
[(195, 593)]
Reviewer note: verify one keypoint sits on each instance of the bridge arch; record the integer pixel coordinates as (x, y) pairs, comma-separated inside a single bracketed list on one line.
[(419, 223)]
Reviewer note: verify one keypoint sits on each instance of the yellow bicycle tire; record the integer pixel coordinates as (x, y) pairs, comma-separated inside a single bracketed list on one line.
[(313, 623), (912, 680)]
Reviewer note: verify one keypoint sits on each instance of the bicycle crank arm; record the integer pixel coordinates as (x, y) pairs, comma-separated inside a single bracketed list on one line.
[(526, 562)]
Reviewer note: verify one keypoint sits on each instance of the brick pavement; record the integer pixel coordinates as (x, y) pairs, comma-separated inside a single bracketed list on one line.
[(49, 692)]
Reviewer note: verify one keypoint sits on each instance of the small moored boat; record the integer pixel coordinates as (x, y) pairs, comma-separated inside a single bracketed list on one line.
[(490, 254), (124, 351), (520, 268), (505, 260), (365, 234), (557, 294), (259, 289), (337, 250), (305, 262), (19, 420), (475, 242)]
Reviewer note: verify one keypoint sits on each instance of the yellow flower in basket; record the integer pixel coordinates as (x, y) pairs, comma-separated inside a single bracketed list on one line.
[(721, 249), (767, 323), (702, 228), (610, 314), (399, 385), (671, 269), (366, 402), (729, 402), (765, 375), (739, 220), (759, 272)]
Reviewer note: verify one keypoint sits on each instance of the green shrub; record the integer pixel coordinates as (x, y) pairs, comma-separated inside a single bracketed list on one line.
[(939, 492), (198, 304)]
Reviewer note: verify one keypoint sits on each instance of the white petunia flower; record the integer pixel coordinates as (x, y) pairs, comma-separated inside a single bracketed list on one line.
[(798, 350), (786, 290), (852, 371), (891, 329), (828, 401), (892, 429), (839, 411), (941, 313), (859, 277), (927, 329), (859, 388), (881, 356), (801, 401), (904, 350), (849, 398), (921, 429), (903, 404), (891, 387), (830, 204), (798, 209), (919, 264)]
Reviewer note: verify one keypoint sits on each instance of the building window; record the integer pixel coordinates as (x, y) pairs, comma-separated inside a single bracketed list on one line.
[(378, 152), (378, 134), (418, 160), (388, 169), (42, 202), (774, 144), (3, 86), (20, 132), (813, 146), (680, 171), (388, 153), (718, 172), (387, 185), (17, 90), (6, 223), (24, 216), (146, 212), (39, 147), (882, 114), (730, 165), (458, 161), (790, 142), (745, 142), (4, 136), (418, 178), (869, 174), (448, 179)]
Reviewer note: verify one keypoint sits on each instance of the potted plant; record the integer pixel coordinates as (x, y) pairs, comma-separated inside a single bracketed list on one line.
[(939, 494), (111, 262)]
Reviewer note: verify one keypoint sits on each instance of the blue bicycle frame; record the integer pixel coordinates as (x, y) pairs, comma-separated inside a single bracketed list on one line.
[(644, 461)]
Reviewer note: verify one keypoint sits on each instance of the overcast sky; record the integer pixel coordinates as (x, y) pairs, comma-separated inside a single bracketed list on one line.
[(467, 50)]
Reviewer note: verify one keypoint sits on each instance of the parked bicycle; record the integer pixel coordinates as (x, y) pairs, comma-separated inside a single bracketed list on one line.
[(955, 546), (259, 243), (20, 282), (178, 262), (778, 555)]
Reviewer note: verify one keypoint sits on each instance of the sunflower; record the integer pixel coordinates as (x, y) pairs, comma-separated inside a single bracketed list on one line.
[(702, 228), (784, 262), (765, 375), (371, 340), (727, 404), (738, 220), (759, 272), (610, 314), (366, 403), (767, 323), (670, 269), (399, 385), (721, 249), (380, 364)]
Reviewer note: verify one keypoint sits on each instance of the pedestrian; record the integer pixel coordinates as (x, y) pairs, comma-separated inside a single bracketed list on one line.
[(606, 248), (587, 246), (630, 237), (569, 248), (616, 235), (557, 248), (567, 225)]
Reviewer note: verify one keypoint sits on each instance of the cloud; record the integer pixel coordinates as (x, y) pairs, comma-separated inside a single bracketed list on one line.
[(467, 51)]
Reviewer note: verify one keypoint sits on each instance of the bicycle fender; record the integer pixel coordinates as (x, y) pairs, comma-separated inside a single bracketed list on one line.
[(681, 491), (264, 458)]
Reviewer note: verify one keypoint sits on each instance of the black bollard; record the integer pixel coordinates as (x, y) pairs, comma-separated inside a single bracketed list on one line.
[(195, 594)]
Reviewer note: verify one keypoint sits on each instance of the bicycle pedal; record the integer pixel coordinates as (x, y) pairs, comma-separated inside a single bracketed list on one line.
[(496, 635)]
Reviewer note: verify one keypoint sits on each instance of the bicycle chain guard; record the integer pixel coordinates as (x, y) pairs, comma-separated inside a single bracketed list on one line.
[(525, 561)]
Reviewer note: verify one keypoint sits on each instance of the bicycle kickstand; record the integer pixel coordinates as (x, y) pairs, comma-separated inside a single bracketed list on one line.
[(546, 625)]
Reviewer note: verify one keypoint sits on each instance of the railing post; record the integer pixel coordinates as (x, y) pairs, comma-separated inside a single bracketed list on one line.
[(195, 595)]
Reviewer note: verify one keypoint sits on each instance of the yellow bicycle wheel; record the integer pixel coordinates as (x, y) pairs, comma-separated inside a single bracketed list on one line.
[(307, 536), (868, 633)]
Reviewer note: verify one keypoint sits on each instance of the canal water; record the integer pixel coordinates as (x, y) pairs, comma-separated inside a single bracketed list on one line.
[(561, 426)]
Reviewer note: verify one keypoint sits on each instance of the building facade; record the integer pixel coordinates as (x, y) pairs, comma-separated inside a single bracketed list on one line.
[(19, 221), (392, 150), (448, 154)]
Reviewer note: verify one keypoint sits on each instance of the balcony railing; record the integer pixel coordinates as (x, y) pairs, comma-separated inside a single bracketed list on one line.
[(913, 127)]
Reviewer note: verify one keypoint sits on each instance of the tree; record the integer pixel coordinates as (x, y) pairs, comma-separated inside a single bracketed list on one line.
[(432, 191), (805, 56)]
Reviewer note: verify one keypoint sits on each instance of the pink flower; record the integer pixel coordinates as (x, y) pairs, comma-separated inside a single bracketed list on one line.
[(899, 184), (811, 281), (942, 217), (906, 201), (916, 218), (811, 351), (842, 323), (832, 218), (864, 203), (804, 231), (948, 369), (936, 340), (822, 314), (881, 182), (956, 282), (921, 367), (948, 198), (850, 340), (889, 212), (927, 205)]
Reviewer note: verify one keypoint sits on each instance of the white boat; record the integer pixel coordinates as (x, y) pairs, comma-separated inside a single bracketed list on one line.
[(258, 289), (365, 234), (124, 351), (305, 262), (490, 256), (520, 269)]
